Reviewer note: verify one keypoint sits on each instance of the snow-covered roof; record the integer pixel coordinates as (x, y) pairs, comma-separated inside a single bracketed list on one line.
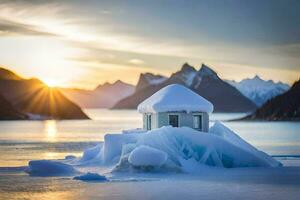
[(175, 97)]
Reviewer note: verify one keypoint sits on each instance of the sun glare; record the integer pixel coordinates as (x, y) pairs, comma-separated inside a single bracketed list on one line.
[(50, 82), (50, 129)]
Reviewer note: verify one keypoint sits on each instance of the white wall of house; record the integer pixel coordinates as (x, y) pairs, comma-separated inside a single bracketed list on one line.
[(185, 119)]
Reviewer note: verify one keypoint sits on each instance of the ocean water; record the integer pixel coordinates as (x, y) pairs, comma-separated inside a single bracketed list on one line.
[(21, 141)]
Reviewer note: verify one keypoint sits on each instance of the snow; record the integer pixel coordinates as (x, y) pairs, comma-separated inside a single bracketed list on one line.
[(147, 156), (189, 77), (50, 168), (175, 97), (154, 79), (91, 177), (186, 74), (157, 81), (258, 90)]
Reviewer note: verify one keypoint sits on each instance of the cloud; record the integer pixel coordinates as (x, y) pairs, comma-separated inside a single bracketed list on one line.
[(8, 28), (136, 61), (113, 35)]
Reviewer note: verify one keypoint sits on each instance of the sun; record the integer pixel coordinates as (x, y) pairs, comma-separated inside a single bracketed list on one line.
[(51, 82)]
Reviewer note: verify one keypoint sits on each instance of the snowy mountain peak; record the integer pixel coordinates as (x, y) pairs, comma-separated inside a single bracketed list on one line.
[(118, 82), (259, 90), (257, 81), (117, 85), (256, 77), (206, 71), (108, 84), (186, 74), (147, 79), (186, 68), (153, 78)]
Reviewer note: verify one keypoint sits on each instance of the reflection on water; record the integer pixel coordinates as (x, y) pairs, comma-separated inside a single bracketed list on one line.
[(254, 185), (50, 130)]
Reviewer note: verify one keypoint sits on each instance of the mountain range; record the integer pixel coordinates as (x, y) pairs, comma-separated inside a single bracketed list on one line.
[(22, 98), (103, 96), (205, 82), (282, 107), (120, 95), (25, 98), (147, 79), (259, 90), (8, 112)]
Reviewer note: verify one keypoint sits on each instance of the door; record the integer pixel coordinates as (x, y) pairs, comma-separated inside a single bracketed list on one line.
[(174, 120)]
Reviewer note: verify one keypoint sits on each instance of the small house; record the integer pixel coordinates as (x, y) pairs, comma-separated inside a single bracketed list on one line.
[(177, 106)]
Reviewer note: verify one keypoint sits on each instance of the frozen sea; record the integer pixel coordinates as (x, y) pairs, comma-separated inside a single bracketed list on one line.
[(21, 141)]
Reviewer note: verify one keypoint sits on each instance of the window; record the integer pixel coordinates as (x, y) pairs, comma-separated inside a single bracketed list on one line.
[(148, 119), (197, 122), (173, 120)]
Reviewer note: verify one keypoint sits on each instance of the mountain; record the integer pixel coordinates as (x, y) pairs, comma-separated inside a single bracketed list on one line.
[(6, 74), (103, 96), (148, 79), (205, 82), (8, 112), (282, 107), (33, 97), (258, 90)]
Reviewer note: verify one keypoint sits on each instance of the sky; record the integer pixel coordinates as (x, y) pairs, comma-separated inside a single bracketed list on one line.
[(85, 43)]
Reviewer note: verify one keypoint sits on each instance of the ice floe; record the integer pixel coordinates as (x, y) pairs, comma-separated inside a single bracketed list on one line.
[(50, 168), (93, 177)]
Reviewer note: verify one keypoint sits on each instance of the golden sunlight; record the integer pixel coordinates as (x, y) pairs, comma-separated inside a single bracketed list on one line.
[(50, 129), (51, 82)]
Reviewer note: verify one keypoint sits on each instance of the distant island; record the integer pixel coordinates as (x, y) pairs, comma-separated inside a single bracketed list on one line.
[(31, 99), (284, 107)]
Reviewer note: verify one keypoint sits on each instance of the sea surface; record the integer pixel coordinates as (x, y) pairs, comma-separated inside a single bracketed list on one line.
[(22, 141)]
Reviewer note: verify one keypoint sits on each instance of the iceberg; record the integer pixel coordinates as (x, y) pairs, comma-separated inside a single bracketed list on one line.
[(170, 147), (166, 149), (228, 135)]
